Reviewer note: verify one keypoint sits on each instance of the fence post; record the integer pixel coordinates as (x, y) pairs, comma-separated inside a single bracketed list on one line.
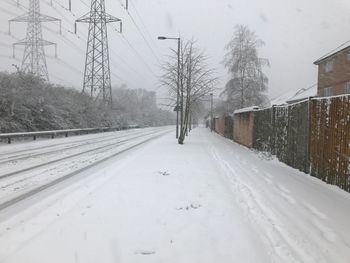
[(309, 130), (273, 132)]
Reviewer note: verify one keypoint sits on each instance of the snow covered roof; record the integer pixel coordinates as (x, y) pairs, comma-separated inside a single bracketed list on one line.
[(293, 96), (248, 109), (334, 52)]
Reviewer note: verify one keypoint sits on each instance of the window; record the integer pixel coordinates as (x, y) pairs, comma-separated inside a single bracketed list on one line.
[(327, 92), (347, 88), (328, 66)]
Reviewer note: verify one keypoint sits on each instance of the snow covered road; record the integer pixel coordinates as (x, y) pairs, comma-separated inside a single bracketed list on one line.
[(209, 200), (24, 172)]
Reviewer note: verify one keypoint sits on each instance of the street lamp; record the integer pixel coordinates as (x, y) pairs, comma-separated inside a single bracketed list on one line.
[(211, 112), (177, 108)]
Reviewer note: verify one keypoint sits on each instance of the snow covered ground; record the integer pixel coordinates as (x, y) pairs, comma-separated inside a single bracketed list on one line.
[(209, 200)]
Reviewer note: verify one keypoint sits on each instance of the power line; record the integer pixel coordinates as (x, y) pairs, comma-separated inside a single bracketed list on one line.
[(138, 54), (68, 65), (143, 24), (34, 59), (67, 30), (142, 35), (10, 57), (130, 46), (71, 43), (112, 50), (97, 75)]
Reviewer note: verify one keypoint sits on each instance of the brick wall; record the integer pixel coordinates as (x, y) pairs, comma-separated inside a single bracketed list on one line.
[(337, 77), (220, 125), (243, 128)]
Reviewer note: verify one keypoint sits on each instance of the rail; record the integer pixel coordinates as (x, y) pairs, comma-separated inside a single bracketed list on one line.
[(10, 136)]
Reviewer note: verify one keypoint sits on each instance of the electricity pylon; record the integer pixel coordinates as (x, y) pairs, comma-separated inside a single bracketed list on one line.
[(97, 75), (34, 59)]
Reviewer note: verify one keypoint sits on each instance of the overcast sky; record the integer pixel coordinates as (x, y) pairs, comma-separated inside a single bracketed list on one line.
[(295, 32)]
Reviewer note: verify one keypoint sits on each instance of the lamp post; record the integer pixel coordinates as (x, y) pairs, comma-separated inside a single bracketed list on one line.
[(211, 112), (177, 108)]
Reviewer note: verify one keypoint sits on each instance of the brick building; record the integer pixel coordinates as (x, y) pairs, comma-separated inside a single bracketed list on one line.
[(334, 73)]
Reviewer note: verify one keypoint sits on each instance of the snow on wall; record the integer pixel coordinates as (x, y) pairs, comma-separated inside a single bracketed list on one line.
[(248, 109)]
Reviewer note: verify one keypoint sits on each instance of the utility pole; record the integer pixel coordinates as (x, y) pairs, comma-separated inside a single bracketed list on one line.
[(178, 87), (182, 135), (177, 107), (34, 59), (97, 75), (211, 112)]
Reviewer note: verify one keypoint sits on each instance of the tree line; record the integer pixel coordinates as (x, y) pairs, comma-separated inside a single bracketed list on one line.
[(28, 103)]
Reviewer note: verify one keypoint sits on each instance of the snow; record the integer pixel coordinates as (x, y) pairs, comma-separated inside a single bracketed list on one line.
[(292, 96), (248, 109), (59, 160), (209, 200), (53, 132), (332, 97), (304, 94)]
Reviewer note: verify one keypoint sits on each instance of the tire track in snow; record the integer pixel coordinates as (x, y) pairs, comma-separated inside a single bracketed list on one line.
[(39, 188), (326, 232), (281, 189), (284, 246)]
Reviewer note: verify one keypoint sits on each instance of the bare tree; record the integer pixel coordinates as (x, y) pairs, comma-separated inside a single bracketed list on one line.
[(197, 81), (248, 83)]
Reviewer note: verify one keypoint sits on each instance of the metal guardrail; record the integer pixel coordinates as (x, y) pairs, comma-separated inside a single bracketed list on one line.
[(10, 136)]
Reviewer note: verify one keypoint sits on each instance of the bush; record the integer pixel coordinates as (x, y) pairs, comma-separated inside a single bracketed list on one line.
[(27, 103)]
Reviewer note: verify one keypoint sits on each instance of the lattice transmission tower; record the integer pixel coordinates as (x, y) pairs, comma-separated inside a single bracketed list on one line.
[(97, 75), (34, 59)]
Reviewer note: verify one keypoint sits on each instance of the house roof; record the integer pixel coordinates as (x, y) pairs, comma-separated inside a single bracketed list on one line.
[(294, 96), (333, 53)]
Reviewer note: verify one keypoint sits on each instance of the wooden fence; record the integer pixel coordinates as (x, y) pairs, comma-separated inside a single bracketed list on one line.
[(284, 131), (312, 136), (330, 140)]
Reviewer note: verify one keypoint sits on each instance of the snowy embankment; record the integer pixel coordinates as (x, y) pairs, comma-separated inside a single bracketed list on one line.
[(209, 200)]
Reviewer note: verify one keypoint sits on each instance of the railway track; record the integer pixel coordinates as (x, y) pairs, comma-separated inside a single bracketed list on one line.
[(24, 183)]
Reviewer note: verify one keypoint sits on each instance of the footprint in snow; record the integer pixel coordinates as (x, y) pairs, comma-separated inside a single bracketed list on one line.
[(268, 175), (284, 192), (268, 181), (255, 170), (165, 173), (315, 211), (190, 207), (326, 232), (289, 198), (145, 252), (283, 188)]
